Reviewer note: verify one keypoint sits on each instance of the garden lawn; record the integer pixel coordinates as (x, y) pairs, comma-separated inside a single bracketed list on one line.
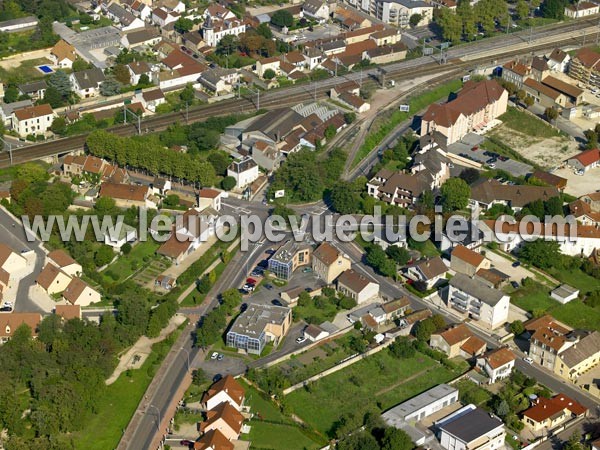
[(576, 278), (126, 265), (527, 124), (417, 103), (119, 401), (377, 378)]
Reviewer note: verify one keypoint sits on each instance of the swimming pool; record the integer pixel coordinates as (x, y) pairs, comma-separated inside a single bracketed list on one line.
[(45, 69)]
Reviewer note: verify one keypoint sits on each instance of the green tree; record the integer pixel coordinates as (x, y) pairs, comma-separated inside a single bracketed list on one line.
[(59, 80), (554, 9), (470, 175), (503, 408), (126, 248), (59, 126), (110, 87), (220, 161), (11, 94), (551, 114), (120, 73), (79, 65), (265, 31), (402, 348), (529, 101), (400, 255), (282, 18), (105, 206), (450, 24), (349, 117), (522, 9), (574, 442), (541, 253), (103, 255), (183, 25), (424, 329), (464, 10), (269, 74), (31, 173), (455, 194), (344, 199), (377, 259), (228, 183), (53, 97), (414, 20), (396, 439), (227, 45), (517, 328), (188, 94)]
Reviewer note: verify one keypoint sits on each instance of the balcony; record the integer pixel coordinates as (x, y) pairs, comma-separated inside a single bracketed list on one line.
[(458, 307)]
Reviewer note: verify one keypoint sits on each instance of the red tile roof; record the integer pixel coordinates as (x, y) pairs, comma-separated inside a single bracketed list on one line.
[(546, 408), (10, 322), (588, 157), (228, 384), (499, 357), (456, 334), (467, 255), (31, 112)]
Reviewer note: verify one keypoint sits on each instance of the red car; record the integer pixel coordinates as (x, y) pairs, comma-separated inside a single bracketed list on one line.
[(250, 281)]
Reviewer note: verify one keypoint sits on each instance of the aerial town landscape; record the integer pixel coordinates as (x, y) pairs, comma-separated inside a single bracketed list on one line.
[(316, 224)]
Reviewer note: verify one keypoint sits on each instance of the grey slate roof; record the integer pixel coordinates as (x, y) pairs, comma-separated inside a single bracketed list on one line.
[(89, 78), (124, 16), (414, 404), (471, 425), (476, 289), (585, 348), (34, 86)]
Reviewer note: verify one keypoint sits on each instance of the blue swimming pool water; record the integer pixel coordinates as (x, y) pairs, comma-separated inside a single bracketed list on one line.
[(45, 69)]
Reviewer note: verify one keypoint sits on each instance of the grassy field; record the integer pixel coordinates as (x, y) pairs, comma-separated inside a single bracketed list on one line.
[(390, 121), (126, 265), (576, 278), (119, 401), (527, 124), (195, 297), (575, 313), (380, 381), (26, 71), (270, 429)]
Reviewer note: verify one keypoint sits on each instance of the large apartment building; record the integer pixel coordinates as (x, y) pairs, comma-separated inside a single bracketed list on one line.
[(585, 67), (396, 12)]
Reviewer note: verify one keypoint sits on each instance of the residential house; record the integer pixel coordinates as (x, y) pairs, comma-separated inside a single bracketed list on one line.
[(52, 280), (35, 90), (573, 94), (586, 160), (215, 28), (356, 286), (579, 358), (292, 295), (457, 340), (559, 60), (138, 9), (350, 19), (165, 282), (427, 271), (564, 293), (224, 418), (516, 72), (124, 20), (62, 55), (181, 70), (137, 69), (539, 68), (225, 390), (153, 98), (423, 405), (147, 37), (171, 5), (10, 322), (328, 262), (193, 41), (219, 81), (466, 233), (316, 10), (257, 326), (410, 320), (161, 17), (213, 440), (486, 193), (11, 262), (497, 364), (244, 171), (68, 312), (546, 343), (386, 53), (191, 229), (493, 277), (471, 427), (475, 105), (585, 67), (586, 209), (264, 64), (94, 167), (464, 260), (210, 198), (581, 9), (312, 58), (7, 109), (395, 309), (388, 36), (78, 292), (86, 83), (33, 120), (550, 179), (126, 234), (127, 195), (543, 94), (477, 300), (546, 414), (348, 93), (314, 333), (64, 262), (266, 155), (288, 258), (397, 188), (399, 12)]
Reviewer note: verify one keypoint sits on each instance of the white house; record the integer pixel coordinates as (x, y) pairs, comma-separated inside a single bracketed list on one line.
[(471, 427), (581, 9), (33, 120), (10, 261), (429, 271), (86, 83), (63, 55), (64, 262), (316, 9), (162, 17), (314, 333), (559, 60), (422, 406), (52, 280), (210, 198), (123, 19), (226, 390), (78, 292), (586, 160), (151, 99), (214, 29), (126, 234), (137, 69), (497, 363), (480, 302), (357, 287), (564, 293), (244, 171)]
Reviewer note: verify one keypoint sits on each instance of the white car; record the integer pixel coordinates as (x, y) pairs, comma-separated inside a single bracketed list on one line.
[(528, 360), (300, 339), (214, 355), (8, 304)]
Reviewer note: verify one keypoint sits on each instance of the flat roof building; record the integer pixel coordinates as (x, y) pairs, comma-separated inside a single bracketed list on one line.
[(288, 258), (471, 428), (258, 325), (423, 405)]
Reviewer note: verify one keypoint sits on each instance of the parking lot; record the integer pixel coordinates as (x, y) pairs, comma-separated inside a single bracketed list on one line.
[(470, 147), (579, 185), (324, 31)]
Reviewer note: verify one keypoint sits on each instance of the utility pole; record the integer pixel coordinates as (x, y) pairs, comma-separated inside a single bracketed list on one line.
[(10, 155), (507, 21), (139, 118), (257, 92), (187, 112)]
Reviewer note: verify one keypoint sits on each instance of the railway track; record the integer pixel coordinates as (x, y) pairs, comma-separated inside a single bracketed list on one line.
[(296, 94)]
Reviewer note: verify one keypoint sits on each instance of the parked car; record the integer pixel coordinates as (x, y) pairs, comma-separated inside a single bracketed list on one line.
[(503, 158), (214, 355), (268, 286), (492, 165), (514, 284), (300, 340), (516, 263), (277, 302), (528, 360), (243, 307), (220, 357), (307, 269)]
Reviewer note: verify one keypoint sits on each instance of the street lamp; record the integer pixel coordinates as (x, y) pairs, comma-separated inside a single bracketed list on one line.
[(158, 411), (188, 357)]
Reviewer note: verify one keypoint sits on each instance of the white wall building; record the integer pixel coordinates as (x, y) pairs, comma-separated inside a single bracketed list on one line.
[(245, 172), (33, 120), (471, 428), (423, 405)]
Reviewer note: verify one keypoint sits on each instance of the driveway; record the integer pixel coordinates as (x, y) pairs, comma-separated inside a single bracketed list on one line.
[(505, 265), (579, 185)]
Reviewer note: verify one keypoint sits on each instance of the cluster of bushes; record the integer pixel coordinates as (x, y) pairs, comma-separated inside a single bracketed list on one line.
[(213, 324)]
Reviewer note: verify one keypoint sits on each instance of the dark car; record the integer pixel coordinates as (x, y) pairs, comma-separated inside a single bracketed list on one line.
[(243, 307), (503, 158), (516, 264), (268, 286), (186, 442), (514, 284), (277, 302)]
